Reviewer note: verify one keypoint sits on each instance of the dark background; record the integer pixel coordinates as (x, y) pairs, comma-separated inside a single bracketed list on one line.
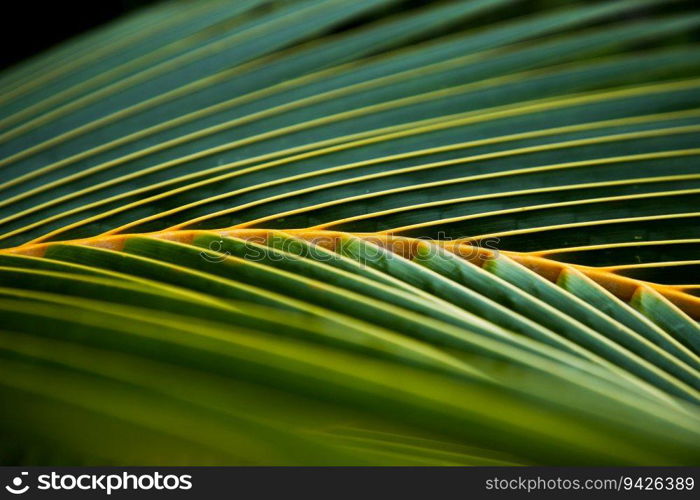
[(30, 27)]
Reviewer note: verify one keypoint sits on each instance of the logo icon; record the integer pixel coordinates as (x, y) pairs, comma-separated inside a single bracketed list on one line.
[(17, 483), (216, 253)]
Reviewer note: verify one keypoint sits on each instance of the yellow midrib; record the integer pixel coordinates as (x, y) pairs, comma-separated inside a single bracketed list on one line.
[(620, 286)]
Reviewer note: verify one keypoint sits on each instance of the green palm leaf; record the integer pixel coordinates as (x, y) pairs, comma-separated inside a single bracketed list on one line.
[(355, 232)]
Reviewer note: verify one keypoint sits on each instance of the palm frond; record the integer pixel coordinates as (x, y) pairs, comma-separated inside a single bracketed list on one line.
[(355, 232)]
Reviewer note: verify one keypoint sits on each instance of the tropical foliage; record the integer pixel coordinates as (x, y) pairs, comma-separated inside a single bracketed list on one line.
[(355, 232)]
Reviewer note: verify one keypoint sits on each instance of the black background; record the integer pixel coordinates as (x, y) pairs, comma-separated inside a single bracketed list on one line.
[(30, 27)]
